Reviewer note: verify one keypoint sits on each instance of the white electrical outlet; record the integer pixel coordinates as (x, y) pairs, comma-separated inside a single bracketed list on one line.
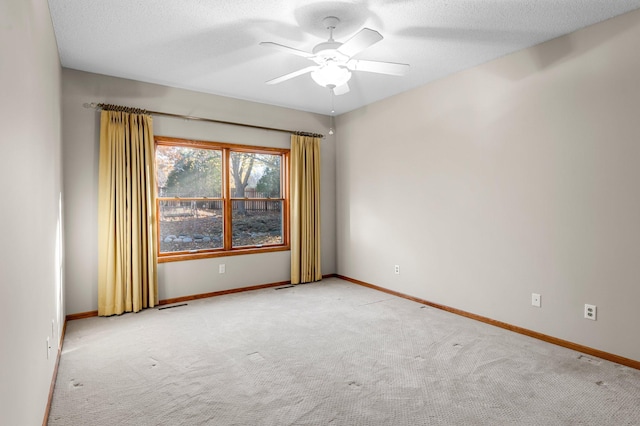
[(396, 269), (590, 312), (221, 268), (536, 300)]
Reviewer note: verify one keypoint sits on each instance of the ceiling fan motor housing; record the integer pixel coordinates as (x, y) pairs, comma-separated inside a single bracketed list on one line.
[(329, 51)]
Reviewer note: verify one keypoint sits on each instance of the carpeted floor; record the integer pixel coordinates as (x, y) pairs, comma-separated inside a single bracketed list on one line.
[(328, 353)]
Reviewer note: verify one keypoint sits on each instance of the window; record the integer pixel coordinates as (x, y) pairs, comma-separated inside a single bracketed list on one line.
[(219, 199)]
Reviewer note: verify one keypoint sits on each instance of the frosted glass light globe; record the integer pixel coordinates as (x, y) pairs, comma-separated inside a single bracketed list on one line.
[(331, 74)]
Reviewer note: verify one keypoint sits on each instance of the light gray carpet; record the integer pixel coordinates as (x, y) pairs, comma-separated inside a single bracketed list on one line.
[(327, 353)]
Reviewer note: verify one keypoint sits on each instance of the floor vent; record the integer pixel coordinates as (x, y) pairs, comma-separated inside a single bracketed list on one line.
[(173, 306), (287, 286)]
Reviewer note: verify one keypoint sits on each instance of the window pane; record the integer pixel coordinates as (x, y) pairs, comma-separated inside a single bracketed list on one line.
[(257, 223), (190, 225), (188, 172), (254, 175)]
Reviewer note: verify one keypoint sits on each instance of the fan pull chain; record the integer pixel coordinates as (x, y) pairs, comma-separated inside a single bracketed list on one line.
[(333, 96), (332, 111)]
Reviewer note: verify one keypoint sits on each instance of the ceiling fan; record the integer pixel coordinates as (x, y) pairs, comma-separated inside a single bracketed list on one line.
[(334, 60)]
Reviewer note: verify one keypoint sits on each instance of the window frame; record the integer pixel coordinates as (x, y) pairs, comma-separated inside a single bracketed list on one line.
[(227, 200)]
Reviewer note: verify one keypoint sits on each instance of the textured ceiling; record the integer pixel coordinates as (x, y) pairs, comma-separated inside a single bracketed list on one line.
[(212, 45)]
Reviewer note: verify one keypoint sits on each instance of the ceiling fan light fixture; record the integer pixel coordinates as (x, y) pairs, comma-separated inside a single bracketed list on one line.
[(331, 75)]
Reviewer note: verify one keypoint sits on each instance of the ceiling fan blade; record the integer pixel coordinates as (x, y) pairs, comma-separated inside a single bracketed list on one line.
[(356, 44), (287, 49), (390, 68), (341, 90), (292, 75)]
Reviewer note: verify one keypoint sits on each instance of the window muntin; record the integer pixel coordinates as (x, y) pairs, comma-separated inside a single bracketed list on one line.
[(220, 199)]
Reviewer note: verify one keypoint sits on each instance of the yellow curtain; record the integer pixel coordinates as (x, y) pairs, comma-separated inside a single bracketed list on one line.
[(305, 209), (127, 264)]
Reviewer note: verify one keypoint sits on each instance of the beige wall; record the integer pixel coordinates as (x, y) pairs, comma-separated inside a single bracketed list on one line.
[(518, 176), (31, 287), (81, 149)]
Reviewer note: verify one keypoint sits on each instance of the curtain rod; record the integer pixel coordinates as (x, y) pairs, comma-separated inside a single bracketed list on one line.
[(102, 106)]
